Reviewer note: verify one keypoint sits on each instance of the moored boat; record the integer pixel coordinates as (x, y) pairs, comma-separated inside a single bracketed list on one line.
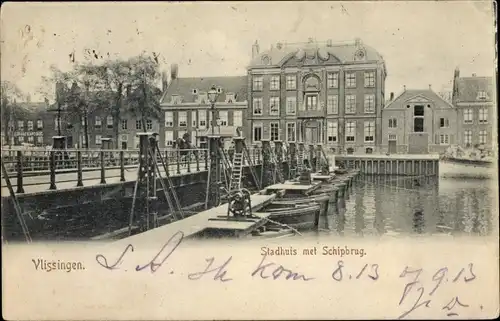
[(297, 216)]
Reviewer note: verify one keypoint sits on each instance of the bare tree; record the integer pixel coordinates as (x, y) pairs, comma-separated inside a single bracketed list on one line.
[(11, 111)]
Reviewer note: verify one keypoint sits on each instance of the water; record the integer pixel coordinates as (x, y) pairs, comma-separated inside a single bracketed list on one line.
[(376, 205), (384, 205)]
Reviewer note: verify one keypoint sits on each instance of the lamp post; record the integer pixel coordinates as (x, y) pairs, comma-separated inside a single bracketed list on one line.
[(212, 97)]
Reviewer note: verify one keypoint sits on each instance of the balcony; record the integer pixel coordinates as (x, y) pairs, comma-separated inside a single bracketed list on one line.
[(318, 113)]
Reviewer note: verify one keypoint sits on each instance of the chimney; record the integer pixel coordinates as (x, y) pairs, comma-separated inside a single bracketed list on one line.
[(392, 96), (329, 43), (174, 71), (164, 81), (430, 87), (474, 75), (255, 49), (404, 87), (279, 45)]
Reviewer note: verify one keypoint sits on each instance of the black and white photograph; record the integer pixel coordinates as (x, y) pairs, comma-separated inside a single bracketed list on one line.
[(212, 160)]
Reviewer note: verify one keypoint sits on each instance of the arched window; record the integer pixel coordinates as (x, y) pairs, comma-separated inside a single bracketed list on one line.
[(369, 150), (350, 151)]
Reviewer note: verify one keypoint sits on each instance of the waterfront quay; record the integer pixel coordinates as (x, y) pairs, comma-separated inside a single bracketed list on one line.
[(67, 194)]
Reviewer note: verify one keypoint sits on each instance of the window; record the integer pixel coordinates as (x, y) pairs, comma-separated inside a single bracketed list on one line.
[(481, 95), (39, 124), (109, 121), (238, 118), (230, 97), (332, 80), (369, 131), (257, 83), (350, 80), (138, 125), (369, 103), (124, 137), (350, 151), (444, 139), (369, 150), (257, 132), (169, 138), (30, 125), (149, 124), (274, 106), (350, 131), (482, 137), (124, 124), (98, 139), (370, 79), (202, 118), (483, 116), (275, 131), (290, 132), (98, 122), (223, 117), (39, 139), (332, 104), (312, 102), (418, 119), (350, 104), (257, 106), (193, 119), (169, 119), (332, 131), (275, 83), (393, 123), (291, 82), (202, 98), (291, 105), (444, 123), (467, 137), (20, 124), (392, 137), (468, 116), (31, 139), (182, 118)]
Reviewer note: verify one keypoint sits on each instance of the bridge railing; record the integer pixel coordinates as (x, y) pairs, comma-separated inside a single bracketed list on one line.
[(27, 163)]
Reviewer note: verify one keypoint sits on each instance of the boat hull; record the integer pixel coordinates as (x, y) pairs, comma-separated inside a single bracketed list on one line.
[(464, 169), (298, 217)]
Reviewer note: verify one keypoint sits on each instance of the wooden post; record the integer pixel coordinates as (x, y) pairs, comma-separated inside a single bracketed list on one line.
[(103, 168), (167, 171), (122, 166), (52, 167), (20, 188), (178, 157), (79, 174), (189, 161), (206, 159)]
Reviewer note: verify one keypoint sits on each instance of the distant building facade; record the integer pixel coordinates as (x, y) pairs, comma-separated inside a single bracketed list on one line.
[(474, 98), (186, 108), (317, 93), (418, 122)]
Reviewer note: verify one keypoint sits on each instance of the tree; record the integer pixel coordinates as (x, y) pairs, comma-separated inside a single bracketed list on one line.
[(10, 109)]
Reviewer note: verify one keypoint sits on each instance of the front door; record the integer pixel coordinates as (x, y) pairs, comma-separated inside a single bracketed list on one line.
[(124, 145), (69, 142), (392, 147), (311, 135)]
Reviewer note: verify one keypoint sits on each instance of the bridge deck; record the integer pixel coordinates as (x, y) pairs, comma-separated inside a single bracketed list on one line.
[(199, 222), (67, 181)]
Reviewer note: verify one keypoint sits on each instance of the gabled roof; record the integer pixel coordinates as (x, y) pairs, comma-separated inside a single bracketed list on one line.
[(416, 95), (184, 88), (345, 52), (469, 87)]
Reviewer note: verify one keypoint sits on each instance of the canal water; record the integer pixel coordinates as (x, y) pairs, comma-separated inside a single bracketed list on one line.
[(374, 206), (385, 205)]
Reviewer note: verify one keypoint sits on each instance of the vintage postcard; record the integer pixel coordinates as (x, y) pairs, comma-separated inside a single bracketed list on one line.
[(249, 160)]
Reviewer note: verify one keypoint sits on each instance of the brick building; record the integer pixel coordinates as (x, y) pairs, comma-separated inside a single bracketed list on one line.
[(187, 109), (317, 93), (418, 122), (474, 98)]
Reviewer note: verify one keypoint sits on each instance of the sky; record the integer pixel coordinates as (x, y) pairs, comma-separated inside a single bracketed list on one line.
[(421, 41)]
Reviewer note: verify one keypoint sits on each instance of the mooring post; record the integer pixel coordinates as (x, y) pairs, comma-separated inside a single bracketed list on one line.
[(122, 166), (213, 188), (103, 167), (267, 176), (197, 156), (52, 166), (178, 158), (205, 153), (278, 147), (20, 188), (292, 165), (188, 160), (79, 174)]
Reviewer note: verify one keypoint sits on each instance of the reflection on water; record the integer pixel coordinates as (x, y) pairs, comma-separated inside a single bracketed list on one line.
[(387, 205)]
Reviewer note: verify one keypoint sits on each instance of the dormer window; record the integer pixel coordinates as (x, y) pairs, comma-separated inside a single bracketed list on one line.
[(175, 99), (481, 95), (203, 98), (230, 98), (195, 91), (219, 90)]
